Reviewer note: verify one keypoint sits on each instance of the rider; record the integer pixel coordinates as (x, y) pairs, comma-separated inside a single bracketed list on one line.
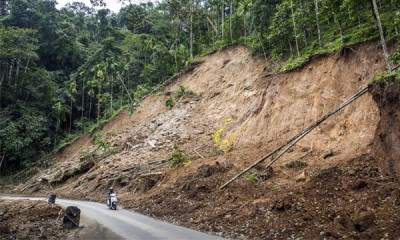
[(109, 193)]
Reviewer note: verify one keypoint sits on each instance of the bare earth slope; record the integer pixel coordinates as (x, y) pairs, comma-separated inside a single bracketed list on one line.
[(327, 186)]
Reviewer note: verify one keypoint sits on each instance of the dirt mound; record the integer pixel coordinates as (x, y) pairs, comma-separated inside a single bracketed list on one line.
[(386, 148), (351, 200), (26, 219), (314, 191)]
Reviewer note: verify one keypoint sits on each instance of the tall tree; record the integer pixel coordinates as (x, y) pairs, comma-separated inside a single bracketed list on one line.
[(383, 42)]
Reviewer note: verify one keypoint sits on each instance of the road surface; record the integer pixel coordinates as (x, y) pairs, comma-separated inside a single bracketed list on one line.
[(102, 223)]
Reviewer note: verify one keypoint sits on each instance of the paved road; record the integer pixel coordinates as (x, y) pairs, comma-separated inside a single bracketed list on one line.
[(124, 224)]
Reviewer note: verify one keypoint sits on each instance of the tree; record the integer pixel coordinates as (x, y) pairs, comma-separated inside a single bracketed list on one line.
[(383, 42)]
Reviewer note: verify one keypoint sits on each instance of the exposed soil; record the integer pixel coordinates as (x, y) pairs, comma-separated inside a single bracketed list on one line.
[(28, 219), (332, 184), (387, 136)]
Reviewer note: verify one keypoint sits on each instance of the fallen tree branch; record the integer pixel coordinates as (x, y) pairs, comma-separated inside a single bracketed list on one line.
[(198, 154), (305, 154)]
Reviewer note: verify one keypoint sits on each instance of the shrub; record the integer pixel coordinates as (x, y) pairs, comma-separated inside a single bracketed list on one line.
[(251, 177), (225, 144), (177, 158), (170, 102)]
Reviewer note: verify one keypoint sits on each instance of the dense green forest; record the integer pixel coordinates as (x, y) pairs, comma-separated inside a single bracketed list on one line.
[(64, 71)]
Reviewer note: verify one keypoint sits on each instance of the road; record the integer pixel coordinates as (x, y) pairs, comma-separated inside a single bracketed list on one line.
[(103, 223)]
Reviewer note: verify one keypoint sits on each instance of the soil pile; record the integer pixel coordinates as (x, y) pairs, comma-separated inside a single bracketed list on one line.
[(328, 185), (26, 219)]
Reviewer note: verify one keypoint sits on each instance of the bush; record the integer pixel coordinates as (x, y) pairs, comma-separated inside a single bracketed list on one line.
[(170, 102), (225, 144), (177, 158)]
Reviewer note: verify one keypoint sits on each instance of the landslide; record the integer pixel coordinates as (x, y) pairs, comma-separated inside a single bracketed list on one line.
[(328, 186)]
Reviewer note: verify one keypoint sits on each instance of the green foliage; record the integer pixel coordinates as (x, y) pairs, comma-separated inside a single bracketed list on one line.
[(294, 63), (395, 56), (170, 102), (23, 134), (100, 142), (83, 124), (177, 158), (385, 77), (183, 91), (251, 177), (142, 90)]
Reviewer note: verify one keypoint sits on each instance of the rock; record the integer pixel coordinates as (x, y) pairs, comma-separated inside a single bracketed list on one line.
[(185, 137), (152, 143), (198, 131), (360, 184), (116, 143), (328, 154), (204, 171), (303, 177), (364, 219)]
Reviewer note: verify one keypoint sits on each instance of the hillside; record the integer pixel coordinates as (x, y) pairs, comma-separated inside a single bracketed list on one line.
[(328, 185)]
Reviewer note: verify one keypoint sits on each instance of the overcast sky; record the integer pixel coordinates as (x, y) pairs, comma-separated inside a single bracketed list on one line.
[(113, 5)]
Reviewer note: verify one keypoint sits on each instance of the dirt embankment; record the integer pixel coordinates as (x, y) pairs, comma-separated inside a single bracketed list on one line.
[(386, 148), (328, 186)]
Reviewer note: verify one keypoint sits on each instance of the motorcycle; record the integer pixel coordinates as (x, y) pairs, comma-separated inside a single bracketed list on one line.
[(112, 201)]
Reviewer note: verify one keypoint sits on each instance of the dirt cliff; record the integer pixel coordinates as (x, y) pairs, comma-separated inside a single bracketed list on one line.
[(387, 136), (328, 186)]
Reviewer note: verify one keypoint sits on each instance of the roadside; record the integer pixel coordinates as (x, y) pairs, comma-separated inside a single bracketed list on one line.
[(42, 220)]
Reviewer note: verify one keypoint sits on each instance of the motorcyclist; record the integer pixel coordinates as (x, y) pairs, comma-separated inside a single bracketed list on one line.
[(109, 193)]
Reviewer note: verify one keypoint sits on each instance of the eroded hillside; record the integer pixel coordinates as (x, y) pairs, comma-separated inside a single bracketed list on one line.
[(328, 185)]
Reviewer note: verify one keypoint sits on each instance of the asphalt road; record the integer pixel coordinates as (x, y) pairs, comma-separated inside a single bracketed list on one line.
[(102, 223)]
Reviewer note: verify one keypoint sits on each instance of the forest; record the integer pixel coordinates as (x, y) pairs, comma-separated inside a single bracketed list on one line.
[(65, 72)]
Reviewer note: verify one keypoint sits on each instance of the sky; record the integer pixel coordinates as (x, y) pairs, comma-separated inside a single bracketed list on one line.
[(113, 5)]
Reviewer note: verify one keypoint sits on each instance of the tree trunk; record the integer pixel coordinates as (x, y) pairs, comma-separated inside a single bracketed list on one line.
[(1, 162), (230, 20), (90, 107), (55, 135), (70, 116), (317, 17), (83, 98), (294, 29), (222, 19), (98, 105), (191, 29), (304, 26), (385, 51), (244, 26), (341, 31), (290, 49), (112, 90)]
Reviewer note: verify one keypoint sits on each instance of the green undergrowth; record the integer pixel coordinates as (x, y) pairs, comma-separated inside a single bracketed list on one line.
[(177, 158), (386, 77), (183, 91)]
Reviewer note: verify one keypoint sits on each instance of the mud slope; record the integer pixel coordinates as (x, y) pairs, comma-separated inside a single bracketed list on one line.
[(305, 192)]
